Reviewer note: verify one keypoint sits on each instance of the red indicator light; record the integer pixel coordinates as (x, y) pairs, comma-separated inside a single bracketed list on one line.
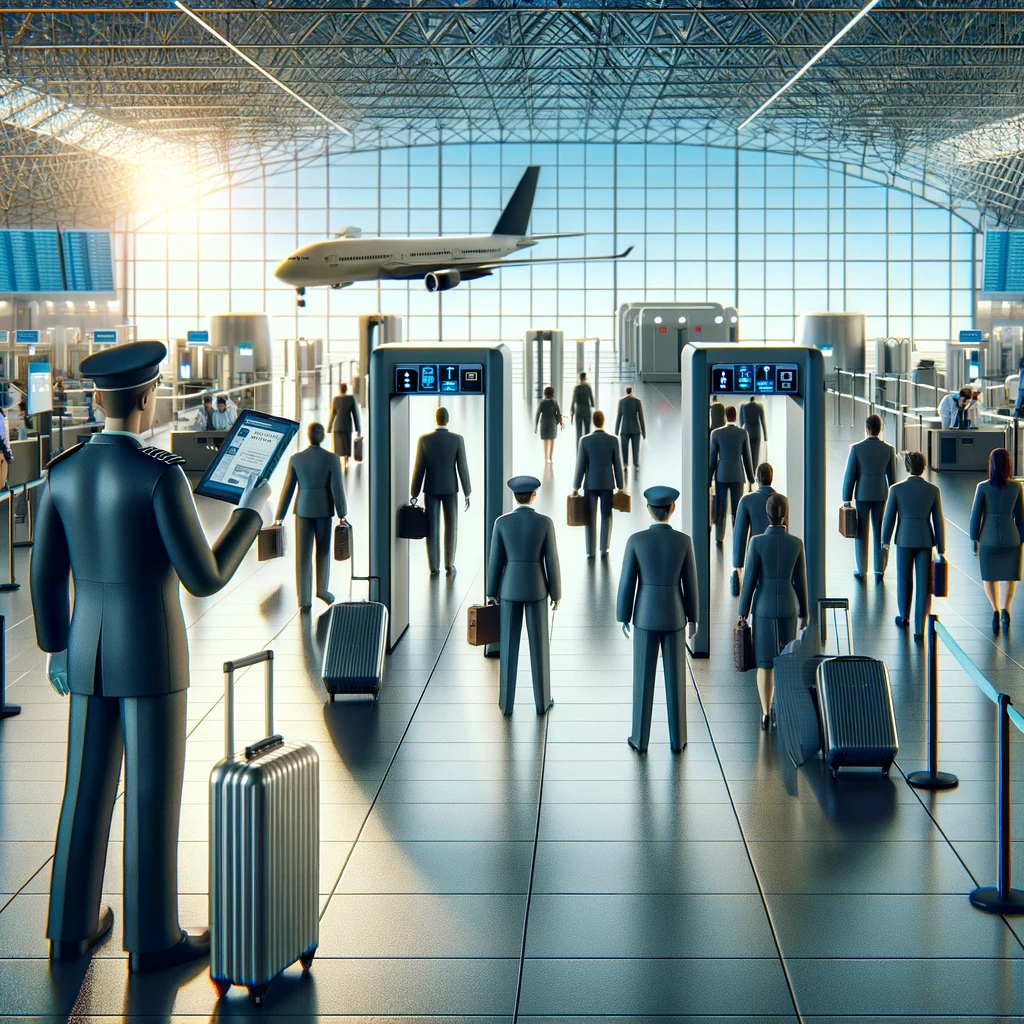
[(697, 329), (662, 330)]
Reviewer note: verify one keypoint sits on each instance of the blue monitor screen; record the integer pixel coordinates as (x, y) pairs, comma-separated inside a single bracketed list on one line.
[(88, 266), (30, 262), (439, 378)]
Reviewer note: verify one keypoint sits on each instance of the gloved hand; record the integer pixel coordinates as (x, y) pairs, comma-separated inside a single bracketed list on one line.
[(625, 630), (57, 672), (255, 496)]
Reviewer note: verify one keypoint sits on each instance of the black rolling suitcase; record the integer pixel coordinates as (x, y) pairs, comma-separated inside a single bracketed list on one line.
[(355, 648), (858, 724)]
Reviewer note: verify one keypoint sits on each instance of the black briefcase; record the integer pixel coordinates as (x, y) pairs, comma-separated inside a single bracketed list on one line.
[(342, 542), (412, 521), (743, 647), (357, 448), (940, 577), (270, 542)]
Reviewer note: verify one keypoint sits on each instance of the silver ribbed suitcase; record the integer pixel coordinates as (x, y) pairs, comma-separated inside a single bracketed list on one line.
[(264, 852)]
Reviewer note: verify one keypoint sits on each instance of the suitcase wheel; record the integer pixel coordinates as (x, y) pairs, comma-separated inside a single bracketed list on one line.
[(332, 698), (222, 985), (886, 767), (307, 958), (256, 993)]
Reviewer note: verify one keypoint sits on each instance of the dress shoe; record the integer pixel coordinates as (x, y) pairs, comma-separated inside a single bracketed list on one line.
[(551, 704), (1006, 619), (766, 720), (192, 946), (995, 623), (304, 607), (901, 623), (878, 577), (858, 575), (918, 637), (72, 950), (718, 544), (327, 597), (632, 743), (450, 571), (435, 572)]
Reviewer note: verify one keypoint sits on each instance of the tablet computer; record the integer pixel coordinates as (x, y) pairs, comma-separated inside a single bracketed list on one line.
[(250, 451)]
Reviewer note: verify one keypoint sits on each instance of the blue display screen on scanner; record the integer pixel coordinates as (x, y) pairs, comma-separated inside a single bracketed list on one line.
[(439, 379), (755, 379)]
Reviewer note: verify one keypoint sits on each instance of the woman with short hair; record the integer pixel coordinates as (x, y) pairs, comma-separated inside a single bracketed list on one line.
[(997, 531)]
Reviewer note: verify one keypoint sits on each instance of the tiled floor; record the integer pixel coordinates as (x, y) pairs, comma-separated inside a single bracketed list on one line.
[(476, 867)]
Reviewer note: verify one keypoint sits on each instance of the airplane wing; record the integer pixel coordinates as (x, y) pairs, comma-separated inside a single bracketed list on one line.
[(498, 264)]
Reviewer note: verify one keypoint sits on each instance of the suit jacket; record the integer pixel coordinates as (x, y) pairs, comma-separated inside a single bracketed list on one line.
[(629, 419), (775, 579), (321, 489), (997, 518), (344, 415), (523, 560), (717, 415), (730, 455), (870, 470), (440, 464), (119, 520), (598, 462), (582, 399), (917, 504), (658, 582), (751, 521), (752, 420)]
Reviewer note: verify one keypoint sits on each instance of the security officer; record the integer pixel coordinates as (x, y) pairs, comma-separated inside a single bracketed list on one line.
[(523, 573), (598, 472), (870, 472), (916, 505), (440, 467), (630, 426), (321, 496), (752, 514), (753, 422), (730, 467), (118, 519), (580, 407), (658, 594)]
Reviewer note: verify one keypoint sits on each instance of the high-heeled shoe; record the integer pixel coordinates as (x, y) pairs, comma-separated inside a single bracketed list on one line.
[(765, 722), (1006, 619), (995, 623)]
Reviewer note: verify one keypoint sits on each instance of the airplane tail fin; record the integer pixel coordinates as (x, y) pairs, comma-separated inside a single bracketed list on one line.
[(516, 216)]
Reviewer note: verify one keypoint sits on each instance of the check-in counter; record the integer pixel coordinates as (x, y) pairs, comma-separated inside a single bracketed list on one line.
[(963, 450), (196, 447), (25, 467)]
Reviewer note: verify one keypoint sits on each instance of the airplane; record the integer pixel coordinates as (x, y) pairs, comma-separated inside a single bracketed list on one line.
[(442, 263)]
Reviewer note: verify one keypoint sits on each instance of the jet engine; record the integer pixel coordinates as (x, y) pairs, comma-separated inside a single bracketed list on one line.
[(442, 280)]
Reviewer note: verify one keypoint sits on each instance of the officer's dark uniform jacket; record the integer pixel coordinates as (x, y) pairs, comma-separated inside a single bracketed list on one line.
[(120, 520), (523, 561), (658, 582)]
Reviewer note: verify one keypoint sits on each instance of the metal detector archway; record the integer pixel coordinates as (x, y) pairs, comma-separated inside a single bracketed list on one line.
[(396, 373), (795, 372)]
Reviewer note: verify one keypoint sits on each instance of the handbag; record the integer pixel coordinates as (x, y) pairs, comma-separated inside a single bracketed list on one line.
[(342, 542), (940, 577), (575, 510), (357, 448), (847, 521), (270, 542), (412, 521), (621, 501), (743, 646), (483, 625)]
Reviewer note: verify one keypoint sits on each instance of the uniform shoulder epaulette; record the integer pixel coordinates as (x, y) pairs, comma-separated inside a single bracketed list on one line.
[(60, 456), (167, 458)]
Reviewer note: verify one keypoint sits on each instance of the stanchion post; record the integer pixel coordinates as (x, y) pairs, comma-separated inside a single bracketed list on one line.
[(1002, 898), (6, 710), (28, 516), (10, 584), (933, 778)]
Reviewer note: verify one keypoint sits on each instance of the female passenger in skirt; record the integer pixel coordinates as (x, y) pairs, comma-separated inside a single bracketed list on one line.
[(997, 530), (549, 420), (775, 583), (344, 419)]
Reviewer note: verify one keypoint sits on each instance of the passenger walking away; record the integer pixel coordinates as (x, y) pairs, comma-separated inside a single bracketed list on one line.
[(523, 575), (775, 587), (730, 468), (599, 473), (914, 511), (658, 595), (343, 421), (997, 532), (870, 472), (717, 414), (630, 426), (439, 469), (752, 514), (753, 421), (581, 406), (549, 421)]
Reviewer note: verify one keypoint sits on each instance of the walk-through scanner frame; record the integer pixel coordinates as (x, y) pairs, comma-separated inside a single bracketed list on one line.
[(805, 445), (390, 443)]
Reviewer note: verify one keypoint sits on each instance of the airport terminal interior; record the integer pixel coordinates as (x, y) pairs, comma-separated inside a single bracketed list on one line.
[(293, 290)]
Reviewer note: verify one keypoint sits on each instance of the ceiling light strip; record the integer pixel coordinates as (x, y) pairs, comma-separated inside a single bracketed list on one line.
[(814, 60), (263, 71)]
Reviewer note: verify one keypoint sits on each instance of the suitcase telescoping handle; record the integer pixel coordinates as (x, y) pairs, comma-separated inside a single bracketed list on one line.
[(230, 667)]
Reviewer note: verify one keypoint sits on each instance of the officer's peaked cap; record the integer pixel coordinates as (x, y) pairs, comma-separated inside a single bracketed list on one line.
[(124, 366), (660, 497), (523, 484)]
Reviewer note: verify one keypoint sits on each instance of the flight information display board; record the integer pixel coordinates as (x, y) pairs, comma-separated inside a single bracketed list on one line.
[(45, 260), (88, 266), (439, 379), (755, 379)]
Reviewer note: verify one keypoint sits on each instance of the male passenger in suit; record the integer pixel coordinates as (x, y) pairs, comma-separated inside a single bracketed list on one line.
[(753, 422), (523, 573), (916, 506), (752, 514), (629, 425), (658, 594), (118, 519), (439, 469), (717, 414), (580, 407), (599, 473), (870, 472), (321, 496), (730, 467)]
